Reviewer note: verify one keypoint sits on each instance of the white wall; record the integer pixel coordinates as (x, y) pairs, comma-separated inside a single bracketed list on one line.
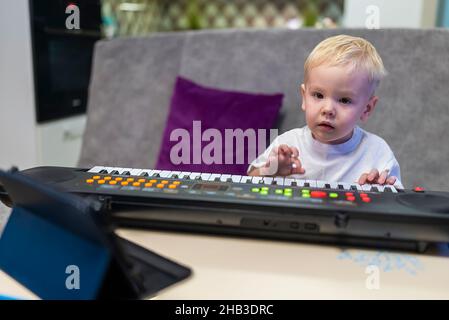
[(392, 13), (17, 116)]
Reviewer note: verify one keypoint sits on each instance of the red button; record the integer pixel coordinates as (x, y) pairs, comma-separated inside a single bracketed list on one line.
[(350, 198), (363, 195), (318, 194), (418, 189), (366, 199), (349, 194)]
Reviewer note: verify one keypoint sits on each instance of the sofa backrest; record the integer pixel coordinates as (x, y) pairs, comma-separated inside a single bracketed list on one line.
[(132, 81)]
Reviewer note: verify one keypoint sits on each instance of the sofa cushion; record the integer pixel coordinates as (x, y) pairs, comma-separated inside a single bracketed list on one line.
[(214, 130)]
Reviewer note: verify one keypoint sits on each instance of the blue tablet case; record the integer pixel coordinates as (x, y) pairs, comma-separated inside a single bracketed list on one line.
[(61, 246)]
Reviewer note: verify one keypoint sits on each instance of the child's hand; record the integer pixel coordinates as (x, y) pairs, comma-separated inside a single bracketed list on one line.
[(282, 161), (375, 178)]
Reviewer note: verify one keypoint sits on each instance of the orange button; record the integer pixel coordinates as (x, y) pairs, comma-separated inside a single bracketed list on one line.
[(148, 185), (107, 178), (318, 194), (142, 180), (118, 179), (160, 186), (100, 181), (164, 181), (129, 179), (153, 181), (124, 183), (176, 182), (350, 198), (366, 199), (136, 184), (90, 181), (172, 186), (112, 182), (96, 177)]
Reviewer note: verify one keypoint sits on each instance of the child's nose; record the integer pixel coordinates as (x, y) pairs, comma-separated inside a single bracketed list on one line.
[(328, 109)]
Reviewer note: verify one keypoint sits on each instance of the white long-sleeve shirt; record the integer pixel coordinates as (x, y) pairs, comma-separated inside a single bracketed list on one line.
[(344, 162)]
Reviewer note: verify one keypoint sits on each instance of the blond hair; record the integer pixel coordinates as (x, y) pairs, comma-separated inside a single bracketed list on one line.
[(344, 50)]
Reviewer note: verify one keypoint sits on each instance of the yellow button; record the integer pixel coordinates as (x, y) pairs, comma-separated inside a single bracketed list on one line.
[(153, 181), (112, 182), (176, 182), (100, 181), (118, 179), (96, 177), (107, 178), (148, 185), (124, 183), (90, 181), (164, 182), (172, 186), (160, 186), (142, 180), (129, 179), (136, 184)]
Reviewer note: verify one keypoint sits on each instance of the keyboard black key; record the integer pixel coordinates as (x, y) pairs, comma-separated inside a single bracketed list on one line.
[(126, 173), (307, 185), (155, 175), (144, 174), (114, 172), (294, 184), (353, 187), (374, 189), (217, 179), (327, 186), (340, 186), (104, 171)]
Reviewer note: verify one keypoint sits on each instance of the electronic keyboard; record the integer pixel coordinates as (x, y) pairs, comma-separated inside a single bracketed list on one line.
[(271, 207)]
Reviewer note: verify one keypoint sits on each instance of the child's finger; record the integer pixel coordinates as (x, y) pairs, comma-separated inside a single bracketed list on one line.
[(362, 179), (373, 175), (383, 177), (284, 149), (297, 167), (391, 180), (295, 152)]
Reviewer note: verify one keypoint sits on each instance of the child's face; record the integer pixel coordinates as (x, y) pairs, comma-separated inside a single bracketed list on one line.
[(334, 100)]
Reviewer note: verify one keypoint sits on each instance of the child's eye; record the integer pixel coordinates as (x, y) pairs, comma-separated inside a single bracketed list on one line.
[(317, 95), (345, 100)]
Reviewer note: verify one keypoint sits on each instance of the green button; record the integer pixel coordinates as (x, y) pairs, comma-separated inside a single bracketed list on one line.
[(278, 191), (333, 195), (265, 189), (305, 191), (264, 192), (305, 195), (287, 194), (255, 190), (288, 190)]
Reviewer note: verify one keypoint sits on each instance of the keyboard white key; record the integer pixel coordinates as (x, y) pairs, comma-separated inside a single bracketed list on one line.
[(267, 180), (205, 176), (214, 176), (225, 177), (321, 183), (279, 181), (236, 178), (194, 175), (392, 188), (164, 173), (184, 175), (334, 185), (366, 187), (124, 170), (312, 183), (256, 180), (246, 179), (95, 169), (288, 181)]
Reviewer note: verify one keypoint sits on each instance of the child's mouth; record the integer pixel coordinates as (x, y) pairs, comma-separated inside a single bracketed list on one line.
[(325, 126)]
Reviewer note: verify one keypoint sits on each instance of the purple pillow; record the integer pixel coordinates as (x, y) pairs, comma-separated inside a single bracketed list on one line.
[(215, 130)]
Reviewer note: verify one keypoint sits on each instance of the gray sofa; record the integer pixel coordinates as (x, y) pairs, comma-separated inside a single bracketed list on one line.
[(132, 82)]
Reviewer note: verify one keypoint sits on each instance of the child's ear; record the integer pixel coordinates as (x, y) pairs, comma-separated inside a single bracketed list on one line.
[(302, 89), (369, 108)]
